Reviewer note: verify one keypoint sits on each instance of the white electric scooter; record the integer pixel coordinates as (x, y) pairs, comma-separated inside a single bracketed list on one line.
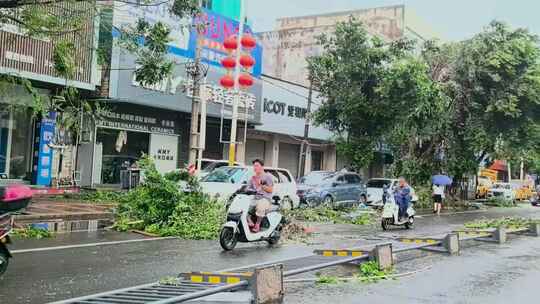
[(236, 228), (390, 214)]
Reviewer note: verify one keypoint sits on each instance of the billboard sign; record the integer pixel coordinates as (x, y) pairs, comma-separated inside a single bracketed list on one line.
[(217, 30), (184, 32)]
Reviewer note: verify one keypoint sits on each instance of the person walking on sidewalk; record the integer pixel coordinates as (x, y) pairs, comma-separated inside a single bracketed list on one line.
[(438, 196)]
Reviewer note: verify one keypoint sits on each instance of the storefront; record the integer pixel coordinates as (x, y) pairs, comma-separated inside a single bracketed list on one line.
[(278, 138), (122, 134), (16, 133)]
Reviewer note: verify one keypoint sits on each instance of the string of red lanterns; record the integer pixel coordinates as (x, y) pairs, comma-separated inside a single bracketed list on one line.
[(245, 80)]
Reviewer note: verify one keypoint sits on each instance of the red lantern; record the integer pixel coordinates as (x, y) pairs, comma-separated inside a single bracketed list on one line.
[(228, 63), (248, 41), (245, 80), (247, 61), (230, 43), (227, 81)]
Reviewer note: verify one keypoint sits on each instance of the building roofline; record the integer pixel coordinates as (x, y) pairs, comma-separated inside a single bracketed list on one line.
[(342, 12)]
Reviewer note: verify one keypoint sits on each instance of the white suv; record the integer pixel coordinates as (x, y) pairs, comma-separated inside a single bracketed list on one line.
[(223, 182)]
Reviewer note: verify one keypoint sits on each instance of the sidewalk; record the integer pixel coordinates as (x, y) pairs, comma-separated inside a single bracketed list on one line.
[(47, 209)]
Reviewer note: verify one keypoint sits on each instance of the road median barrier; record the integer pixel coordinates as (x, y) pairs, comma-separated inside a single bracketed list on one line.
[(215, 278), (264, 283), (339, 252)]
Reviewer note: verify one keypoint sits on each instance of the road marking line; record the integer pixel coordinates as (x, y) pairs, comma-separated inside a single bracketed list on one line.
[(90, 245)]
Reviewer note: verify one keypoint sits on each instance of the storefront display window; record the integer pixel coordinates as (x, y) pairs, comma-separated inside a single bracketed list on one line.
[(316, 160), (120, 149), (15, 141), (20, 143)]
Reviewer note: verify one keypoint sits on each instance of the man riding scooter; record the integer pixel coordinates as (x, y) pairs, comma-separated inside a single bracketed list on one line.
[(262, 184), (402, 195)]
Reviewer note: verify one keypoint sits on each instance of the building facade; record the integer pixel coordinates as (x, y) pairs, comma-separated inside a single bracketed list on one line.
[(25, 151), (155, 120), (278, 138), (296, 38)]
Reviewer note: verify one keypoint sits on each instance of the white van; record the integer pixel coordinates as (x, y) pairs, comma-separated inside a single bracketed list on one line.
[(223, 182)]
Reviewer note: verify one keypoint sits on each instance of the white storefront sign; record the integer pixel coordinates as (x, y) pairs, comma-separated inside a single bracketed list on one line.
[(164, 151)]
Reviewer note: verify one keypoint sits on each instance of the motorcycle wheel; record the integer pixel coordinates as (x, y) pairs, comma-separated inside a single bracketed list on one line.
[(228, 239), (409, 223), (4, 262), (384, 224)]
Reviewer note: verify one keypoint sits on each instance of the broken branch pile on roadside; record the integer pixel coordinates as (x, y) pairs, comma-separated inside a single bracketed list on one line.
[(330, 215), (160, 206), (508, 222)]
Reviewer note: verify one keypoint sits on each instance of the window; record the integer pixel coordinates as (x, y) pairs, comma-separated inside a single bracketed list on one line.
[(275, 176), (341, 179), (352, 179), (207, 4), (378, 183), (225, 175), (284, 177)]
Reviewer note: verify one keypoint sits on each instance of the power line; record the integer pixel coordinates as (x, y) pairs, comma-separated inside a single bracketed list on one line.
[(290, 91)]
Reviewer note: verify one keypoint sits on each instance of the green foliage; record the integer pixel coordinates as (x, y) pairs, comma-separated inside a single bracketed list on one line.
[(329, 215), (364, 219), (149, 43), (185, 8), (32, 232), (508, 222), (500, 202), (64, 58), (425, 200), (164, 209), (442, 109), (369, 272), (348, 75), (99, 196), (325, 279)]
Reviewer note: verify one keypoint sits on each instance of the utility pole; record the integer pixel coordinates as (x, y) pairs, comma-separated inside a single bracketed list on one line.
[(195, 73), (236, 100), (305, 143)]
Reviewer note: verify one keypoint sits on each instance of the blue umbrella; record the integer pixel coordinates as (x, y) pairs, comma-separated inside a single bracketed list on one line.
[(441, 180)]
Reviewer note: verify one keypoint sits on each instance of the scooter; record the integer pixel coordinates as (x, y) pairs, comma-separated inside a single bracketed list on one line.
[(12, 198), (236, 228), (390, 214), (6, 225)]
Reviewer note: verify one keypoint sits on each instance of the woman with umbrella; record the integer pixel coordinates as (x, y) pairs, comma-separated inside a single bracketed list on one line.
[(439, 181)]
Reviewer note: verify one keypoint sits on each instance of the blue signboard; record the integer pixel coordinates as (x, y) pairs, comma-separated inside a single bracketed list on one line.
[(43, 164), (217, 30)]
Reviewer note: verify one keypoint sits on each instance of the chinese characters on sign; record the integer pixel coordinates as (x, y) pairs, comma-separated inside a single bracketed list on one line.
[(164, 154), (281, 108), (135, 122), (221, 95)]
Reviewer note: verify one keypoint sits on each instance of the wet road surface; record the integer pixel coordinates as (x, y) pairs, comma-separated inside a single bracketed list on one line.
[(487, 273), (41, 277)]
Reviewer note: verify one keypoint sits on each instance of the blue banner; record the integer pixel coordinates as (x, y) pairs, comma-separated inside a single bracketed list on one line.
[(45, 153)]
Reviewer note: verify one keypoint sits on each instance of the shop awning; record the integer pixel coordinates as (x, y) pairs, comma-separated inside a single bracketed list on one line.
[(499, 165)]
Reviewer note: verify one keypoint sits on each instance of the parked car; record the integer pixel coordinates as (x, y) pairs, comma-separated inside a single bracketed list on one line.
[(331, 189), (223, 182), (375, 186), (208, 165), (502, 190)]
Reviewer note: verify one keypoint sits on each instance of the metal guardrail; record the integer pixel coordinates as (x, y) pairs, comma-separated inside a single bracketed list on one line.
[(200, 284)]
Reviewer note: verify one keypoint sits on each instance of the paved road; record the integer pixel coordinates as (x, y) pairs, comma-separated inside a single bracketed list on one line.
[(41, 277), (488, 273)]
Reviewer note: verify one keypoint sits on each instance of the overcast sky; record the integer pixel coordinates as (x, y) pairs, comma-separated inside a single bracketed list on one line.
[(453, 19)]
